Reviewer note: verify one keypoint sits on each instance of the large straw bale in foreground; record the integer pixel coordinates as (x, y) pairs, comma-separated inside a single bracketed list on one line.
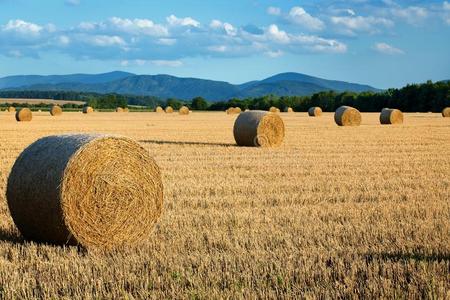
[(347, 116), (24, 115), (87, 110), (184, 110), (391, 116), (56, 110), (314, 111), (258, 128), (97, 191), (446, 112), (169, 110)]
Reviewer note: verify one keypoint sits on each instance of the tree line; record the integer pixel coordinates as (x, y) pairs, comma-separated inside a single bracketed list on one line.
[(424, 97)]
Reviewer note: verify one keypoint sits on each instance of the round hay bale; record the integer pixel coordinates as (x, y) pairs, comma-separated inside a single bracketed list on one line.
[(39, 110), (230, 111), (56, 110), (259, 129), (446, 112), (247, 109), (169, 110), (274, 109), (347, 116), (289, 110), (314, 111), (237, 110), (159, 109), (119, 109), (11, 109), (72, 190), (391, 116), (126, 109), (184, 110), (87, 110), (24, 115)]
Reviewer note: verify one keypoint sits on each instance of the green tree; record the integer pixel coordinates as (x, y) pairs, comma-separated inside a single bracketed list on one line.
[(199, 103)]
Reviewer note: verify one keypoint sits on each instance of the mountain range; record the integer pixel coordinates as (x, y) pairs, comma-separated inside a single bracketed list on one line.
[(167, 86)]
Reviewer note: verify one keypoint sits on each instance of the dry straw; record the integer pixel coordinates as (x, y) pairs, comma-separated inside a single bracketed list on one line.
[(391, 116), (159, 109), (289, 110), (314, 111), (73, 189), (347, 116), (446, 112), (56, 110), (87, 110), (169, 110), (233, 110), (119, 109), (259, 129), (24, 115), (11, 109), (126, 109), (184, 110), (274, 109)]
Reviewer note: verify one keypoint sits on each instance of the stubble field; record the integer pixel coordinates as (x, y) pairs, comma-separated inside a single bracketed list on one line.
[(349, 212)]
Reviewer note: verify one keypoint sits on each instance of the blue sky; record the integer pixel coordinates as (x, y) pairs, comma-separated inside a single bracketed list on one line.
[(383, 43)]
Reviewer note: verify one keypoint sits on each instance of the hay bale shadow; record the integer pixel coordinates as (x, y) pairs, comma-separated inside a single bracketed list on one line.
[(11, 236), (161, 142)]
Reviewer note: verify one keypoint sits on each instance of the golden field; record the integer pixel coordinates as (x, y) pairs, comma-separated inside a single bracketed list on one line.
[(334, 212)]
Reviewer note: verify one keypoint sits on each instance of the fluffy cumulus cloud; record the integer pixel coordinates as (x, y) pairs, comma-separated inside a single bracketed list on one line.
[(351, 25), (166, 44), (299, 16), (387, 49), (446, 12)]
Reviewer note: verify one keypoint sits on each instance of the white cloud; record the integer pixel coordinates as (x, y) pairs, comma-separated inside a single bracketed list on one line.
[(351, 24), (274, 54), (167, 63), (137, 26), (64, 40), (227, 27), (411, 14), (274, 11), (277, 35), (22, 27), (174, 21), (105, 40), (220, 48), (387, 49), (166, 42), (299, 16), (446, 13), (319, 44)]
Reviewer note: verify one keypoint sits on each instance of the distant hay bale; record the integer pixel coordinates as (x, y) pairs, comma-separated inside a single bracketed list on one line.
[(11, 109), (24, 115), (159, 109), (126, 109), (169, 110), (56, 110), (391, 116), (72, 190), (258, 129), (237, 110), (184, 110), (347, 116), (247, 109), (446, 112), (314, 111), (119, 109), (289, 110), (233, 110), (274, 109), (87, 110)]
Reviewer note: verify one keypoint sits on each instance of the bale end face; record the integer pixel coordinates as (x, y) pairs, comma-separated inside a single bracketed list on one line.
[(169, 110), (87, 110), (159, 109), (391, 116), (56, 110), (119, 109), (71, 189), (184, 110), (258, 129), (446, 112), (11, 109), (315, 111), (24, 115), (347, 116)]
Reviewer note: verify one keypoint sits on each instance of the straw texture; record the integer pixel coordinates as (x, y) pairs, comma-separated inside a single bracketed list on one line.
[(347, 116), (446, 112), (314, 111), (93, 190), (184, 110), (24, 115), (119, 109), (56, 110), (159, 109), (391, 116), (87, 110), (169, 110), (258, 129)]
